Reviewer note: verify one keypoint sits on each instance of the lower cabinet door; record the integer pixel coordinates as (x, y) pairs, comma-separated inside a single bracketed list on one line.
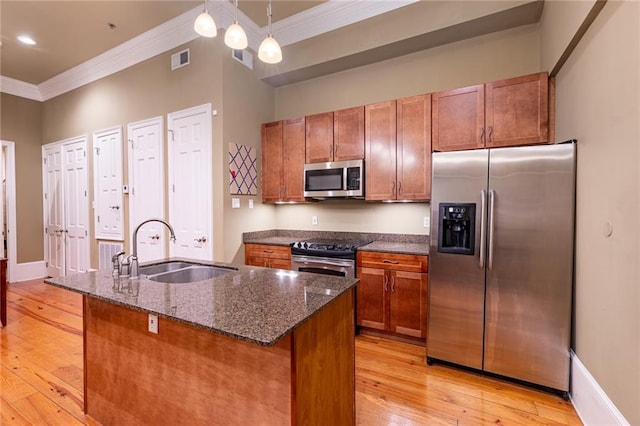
[(408, 292), (372, 303)]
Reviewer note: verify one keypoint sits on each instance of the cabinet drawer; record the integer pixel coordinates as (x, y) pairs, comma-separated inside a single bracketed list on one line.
[(394, 261), (265, 250)]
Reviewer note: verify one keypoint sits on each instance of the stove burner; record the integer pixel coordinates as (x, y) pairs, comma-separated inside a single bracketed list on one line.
[(327, 248)]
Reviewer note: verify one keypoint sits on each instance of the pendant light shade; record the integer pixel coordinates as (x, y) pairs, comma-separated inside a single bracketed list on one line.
[(235, 36), (204, 25), (269, 51)]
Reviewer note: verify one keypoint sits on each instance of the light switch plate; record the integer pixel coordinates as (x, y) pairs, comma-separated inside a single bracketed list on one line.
[(314, 220), (153, 323), (235, 203), (250, 203)]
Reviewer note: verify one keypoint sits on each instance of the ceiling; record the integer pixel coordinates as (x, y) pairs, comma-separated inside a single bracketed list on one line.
[(70, 33)]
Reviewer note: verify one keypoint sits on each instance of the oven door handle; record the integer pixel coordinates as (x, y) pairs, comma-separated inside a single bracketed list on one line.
[(315, 261)]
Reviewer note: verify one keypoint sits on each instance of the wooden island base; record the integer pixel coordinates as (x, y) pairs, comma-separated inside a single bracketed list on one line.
[(187, 375)]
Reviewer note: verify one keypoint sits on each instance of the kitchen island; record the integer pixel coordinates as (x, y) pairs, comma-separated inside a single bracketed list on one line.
[(253, 346)]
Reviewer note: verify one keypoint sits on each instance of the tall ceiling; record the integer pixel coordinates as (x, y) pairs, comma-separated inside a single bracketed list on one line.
[(72, 32)]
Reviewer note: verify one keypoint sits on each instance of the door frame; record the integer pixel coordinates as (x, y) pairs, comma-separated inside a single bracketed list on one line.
[(10, 195)]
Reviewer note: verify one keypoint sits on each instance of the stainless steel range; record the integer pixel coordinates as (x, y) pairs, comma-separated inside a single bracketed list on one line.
[(329, 257)]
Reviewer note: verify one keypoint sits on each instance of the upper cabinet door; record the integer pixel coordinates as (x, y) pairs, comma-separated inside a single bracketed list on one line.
[(348, 134), (458, 119), (517, 111), (272, 162), (414, 148), (293, 145), (319, 140), (380, 143)]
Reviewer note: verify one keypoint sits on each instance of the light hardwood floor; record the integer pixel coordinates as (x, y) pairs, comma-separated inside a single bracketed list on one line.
[(41, 376)]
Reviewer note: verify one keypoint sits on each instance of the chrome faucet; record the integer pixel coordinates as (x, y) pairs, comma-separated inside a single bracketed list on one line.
[(131, 262)]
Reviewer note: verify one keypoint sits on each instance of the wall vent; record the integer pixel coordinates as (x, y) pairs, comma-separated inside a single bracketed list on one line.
[(244, 57), (180, 59), (107, 250)]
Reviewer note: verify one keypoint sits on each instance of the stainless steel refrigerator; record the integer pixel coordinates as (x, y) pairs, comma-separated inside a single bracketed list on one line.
[(501, 261)]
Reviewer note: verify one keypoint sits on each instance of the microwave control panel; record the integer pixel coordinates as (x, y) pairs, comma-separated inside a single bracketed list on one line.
[(353, 178)]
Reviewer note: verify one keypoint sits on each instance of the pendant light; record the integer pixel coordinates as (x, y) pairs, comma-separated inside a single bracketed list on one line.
[(204, 25), (270, 51), (235, 36)]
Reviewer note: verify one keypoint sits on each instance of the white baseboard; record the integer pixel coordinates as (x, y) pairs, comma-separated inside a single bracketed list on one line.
[(29, 271), (591, 402)]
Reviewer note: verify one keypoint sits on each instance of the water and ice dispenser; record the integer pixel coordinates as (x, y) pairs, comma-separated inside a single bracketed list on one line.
[(456, 229)]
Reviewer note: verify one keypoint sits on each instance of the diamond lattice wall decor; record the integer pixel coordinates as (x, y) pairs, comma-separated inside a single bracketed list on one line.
[(243, 172)]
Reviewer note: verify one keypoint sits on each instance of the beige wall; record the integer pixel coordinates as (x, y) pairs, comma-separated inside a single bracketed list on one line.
[(559, 23), (598, 103), (491, 57), (247, 103), (21, 122), (151, 89)]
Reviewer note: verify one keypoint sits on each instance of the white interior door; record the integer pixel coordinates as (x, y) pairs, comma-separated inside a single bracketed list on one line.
[(191, 182), (146, 187), (54, 214), (107, 178), (76, 215)]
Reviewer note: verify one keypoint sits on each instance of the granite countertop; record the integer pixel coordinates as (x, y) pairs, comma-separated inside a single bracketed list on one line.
[(396, 247), (259, 305), (388, 243)]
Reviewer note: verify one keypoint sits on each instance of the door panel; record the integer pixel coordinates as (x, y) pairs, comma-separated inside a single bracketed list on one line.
[(372, 294), (76, 213), (409, 303), (380, 145), (146, 187), (109, 208), (414, 147), (456, 289), (191, 181), (529, 282), (54, 216)]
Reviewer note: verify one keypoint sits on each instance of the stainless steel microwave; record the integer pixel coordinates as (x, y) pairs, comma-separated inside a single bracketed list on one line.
[(334, 179)]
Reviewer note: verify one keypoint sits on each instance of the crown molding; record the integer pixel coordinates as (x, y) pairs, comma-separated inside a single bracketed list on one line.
[(320, 19), (15, 87)]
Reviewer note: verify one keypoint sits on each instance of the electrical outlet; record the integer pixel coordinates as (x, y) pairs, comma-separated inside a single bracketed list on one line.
[(153, 324), (235, 203), (314, 220), (426, 222), (250, 203)]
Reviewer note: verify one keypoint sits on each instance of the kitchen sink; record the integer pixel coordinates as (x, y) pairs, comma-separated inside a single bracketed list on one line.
[(164, 267), (182, 272)]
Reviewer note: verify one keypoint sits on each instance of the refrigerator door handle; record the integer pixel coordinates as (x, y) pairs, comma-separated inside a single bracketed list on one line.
[(483, 227), (492, 202)]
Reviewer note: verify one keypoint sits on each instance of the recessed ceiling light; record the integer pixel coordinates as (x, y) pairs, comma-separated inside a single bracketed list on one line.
[(26, 40)]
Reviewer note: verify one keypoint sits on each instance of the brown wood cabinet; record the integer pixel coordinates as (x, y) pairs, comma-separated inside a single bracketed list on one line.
[(348, 134), (335, 136), (413, 153), (267, 256), (508, 112), (398, 149), (380, 147), (392, 293), (283, 156)]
